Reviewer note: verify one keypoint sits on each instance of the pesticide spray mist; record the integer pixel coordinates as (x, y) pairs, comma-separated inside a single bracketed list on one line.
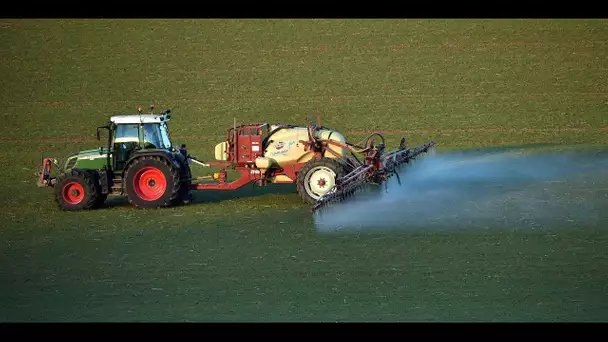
[(492, 188)]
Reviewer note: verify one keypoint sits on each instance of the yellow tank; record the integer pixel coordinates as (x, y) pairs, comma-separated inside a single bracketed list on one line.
[(284, 146), (221, 151)]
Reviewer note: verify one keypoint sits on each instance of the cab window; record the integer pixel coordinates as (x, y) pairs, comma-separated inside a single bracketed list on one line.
[(127, 133), (152, 136)]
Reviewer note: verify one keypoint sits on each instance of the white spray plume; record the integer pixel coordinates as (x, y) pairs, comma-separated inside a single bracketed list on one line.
[(488, 189)]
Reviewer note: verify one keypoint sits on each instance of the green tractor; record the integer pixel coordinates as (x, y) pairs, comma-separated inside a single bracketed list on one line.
[(139, 162)]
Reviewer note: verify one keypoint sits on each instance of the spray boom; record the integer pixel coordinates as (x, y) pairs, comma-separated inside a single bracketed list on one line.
[(377, 167)]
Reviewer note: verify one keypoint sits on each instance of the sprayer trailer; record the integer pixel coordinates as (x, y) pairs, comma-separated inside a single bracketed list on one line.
[(141, 162)]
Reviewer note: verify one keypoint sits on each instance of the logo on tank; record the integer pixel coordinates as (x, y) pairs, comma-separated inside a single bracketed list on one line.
[(279, 146)]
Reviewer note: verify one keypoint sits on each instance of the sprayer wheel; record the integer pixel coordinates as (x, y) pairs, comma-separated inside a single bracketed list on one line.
[(318, 176), (77, 190), (152, 182)]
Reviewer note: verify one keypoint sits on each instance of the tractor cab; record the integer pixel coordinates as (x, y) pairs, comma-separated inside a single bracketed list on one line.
[(130, 133)]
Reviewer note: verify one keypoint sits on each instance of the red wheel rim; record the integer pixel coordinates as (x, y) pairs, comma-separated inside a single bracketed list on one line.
[(73, 193), (149, 183)]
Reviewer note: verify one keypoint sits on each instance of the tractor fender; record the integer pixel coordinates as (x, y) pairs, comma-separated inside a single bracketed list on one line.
[(161, 153)]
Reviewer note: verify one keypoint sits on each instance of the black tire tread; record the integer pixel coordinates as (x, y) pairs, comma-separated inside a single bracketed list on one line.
[(101, 200)]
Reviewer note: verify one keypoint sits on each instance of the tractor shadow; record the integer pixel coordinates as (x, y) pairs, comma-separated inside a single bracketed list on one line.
[(251, 190), (214, 196)]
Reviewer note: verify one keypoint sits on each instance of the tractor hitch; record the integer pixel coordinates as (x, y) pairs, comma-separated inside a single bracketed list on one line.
[(44, 176)]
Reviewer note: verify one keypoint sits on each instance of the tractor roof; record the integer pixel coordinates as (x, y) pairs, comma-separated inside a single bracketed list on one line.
[(137, 118)]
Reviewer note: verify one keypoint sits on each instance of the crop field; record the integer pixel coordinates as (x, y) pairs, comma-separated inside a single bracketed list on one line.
[(257, 254)]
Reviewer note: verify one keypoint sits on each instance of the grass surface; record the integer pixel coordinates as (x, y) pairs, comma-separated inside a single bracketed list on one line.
[(255, 255)]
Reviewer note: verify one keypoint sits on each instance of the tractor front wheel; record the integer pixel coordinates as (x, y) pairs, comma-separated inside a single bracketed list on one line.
[(152, 182), (77, 190), (317, 177)]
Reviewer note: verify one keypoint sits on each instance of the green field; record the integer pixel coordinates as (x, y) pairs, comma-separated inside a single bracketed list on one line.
[(254, 255)]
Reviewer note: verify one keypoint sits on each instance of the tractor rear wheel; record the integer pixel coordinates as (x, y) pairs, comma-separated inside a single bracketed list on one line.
[(152, 182), (318, 176), (77, 190)]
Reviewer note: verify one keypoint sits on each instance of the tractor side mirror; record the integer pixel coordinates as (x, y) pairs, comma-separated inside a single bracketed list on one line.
[(106, 127)]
